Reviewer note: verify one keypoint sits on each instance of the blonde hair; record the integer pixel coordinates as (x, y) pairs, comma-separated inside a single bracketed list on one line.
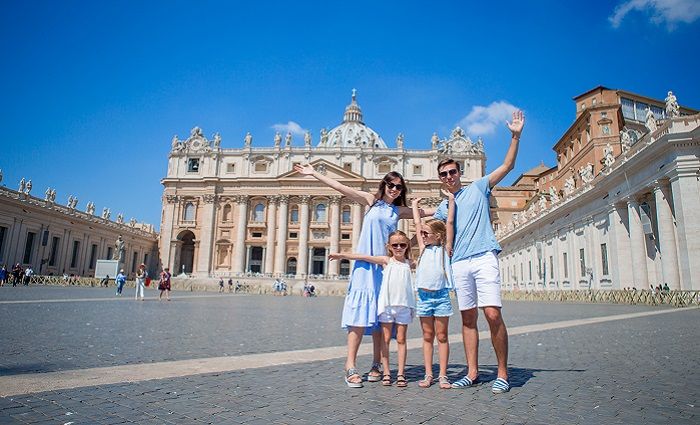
[(390, 253), (438, 227)]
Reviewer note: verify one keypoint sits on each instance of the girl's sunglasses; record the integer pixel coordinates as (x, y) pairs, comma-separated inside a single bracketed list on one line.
[(391, 185), (399, 245), (451, 171), (424, 233)]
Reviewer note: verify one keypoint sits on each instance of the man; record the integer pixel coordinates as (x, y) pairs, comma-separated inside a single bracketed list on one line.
[(474, 262)]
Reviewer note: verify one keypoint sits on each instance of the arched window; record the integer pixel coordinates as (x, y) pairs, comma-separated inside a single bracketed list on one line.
[(226, 214), (188, 214), (294, 215), (320, 213), (292, 266), (346, 215), (259, 213), (344, 268)]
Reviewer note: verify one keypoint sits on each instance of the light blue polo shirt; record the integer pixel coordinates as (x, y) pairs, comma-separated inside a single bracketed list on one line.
[(473, 232)]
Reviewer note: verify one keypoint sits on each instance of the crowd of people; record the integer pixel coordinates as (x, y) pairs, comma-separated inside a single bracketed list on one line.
[(16, 276)]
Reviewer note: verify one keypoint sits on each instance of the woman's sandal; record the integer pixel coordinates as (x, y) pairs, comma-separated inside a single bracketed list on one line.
[(349, 374), (426, 382), (401, 381), (374, 374), (386, 380), (444, 383)]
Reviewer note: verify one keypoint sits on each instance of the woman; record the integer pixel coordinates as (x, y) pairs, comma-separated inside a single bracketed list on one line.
[(141, 276), (387, 206), (164, 284)]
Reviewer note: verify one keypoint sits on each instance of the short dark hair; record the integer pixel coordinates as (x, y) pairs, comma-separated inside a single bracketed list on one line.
[(448, 161)]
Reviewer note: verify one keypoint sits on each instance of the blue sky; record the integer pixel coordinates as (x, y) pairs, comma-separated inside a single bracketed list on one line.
[(92, 92)]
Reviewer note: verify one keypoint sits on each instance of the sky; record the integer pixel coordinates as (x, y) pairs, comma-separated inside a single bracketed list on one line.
[(93, 91)]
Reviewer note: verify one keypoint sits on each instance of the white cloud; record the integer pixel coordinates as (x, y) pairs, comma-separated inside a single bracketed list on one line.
[(669, 12), (290, 127), (483, 120)]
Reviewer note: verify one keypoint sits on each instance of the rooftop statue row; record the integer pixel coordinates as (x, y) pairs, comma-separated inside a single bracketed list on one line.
[(456, 143), (25, 188)]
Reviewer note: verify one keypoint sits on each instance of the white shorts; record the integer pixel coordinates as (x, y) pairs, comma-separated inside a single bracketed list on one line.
[(477, 281), (400, 315)]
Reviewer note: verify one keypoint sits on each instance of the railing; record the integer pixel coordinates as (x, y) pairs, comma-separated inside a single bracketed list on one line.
[(70, 281), (673, 298)]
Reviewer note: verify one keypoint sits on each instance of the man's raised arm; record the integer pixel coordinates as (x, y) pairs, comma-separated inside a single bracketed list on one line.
[(516, 128)]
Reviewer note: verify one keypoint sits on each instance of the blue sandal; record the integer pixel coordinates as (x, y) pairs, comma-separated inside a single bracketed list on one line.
[(465, 382), (350, 373), (500, 386)]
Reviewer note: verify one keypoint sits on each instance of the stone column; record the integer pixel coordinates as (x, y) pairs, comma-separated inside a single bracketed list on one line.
[(241, 229), (638, 246), (303, 261), (281, 252), (686, 203), (667, 235), (619, 258), (207, 223), (166, 232), (334, 223), (271, 227)]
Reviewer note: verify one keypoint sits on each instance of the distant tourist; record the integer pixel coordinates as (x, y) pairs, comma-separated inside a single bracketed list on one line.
[(666, 288), (221, 285), (16, 274), (141, 275), (164, 284), (28, 273), (120, 281), (105, 281), (3, 275), (230, 285)]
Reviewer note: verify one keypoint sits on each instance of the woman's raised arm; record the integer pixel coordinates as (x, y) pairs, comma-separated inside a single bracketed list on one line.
[(354, 194)]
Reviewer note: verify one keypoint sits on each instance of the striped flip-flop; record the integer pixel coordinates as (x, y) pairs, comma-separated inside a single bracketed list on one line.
[(465, 382), (500, 386)]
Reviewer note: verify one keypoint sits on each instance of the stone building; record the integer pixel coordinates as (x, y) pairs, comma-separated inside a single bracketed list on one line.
[(244, 211), (619, 210), (54, 239)]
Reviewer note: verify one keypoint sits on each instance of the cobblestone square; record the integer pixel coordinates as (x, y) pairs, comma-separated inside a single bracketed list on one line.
[(105, 360)]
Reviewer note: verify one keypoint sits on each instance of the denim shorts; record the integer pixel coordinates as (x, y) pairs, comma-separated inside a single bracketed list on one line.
[(434, 303)]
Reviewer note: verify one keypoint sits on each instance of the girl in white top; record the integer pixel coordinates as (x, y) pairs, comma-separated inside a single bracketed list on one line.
[(396, 303), (433, 285)]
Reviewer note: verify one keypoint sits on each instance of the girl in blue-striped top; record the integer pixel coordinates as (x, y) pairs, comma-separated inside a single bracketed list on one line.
[(433, 285)]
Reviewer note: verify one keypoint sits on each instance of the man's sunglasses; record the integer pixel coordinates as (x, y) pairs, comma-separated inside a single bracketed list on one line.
[(451, 171), (399, 245), (391, 185)]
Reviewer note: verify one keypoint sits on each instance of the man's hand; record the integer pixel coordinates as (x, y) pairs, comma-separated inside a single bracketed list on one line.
[(516, 127)]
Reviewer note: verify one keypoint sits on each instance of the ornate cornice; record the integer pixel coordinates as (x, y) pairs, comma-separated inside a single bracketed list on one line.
[(209, 198)]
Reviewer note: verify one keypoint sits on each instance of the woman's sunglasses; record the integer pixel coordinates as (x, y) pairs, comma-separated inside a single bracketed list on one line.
[(451, 171), (399, 245), (391, 185), (424, 233)]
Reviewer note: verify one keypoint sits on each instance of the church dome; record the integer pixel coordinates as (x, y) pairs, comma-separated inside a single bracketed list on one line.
[(352, 132)]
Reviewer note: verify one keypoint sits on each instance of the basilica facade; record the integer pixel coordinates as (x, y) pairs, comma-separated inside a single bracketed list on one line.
[(244, 211)]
